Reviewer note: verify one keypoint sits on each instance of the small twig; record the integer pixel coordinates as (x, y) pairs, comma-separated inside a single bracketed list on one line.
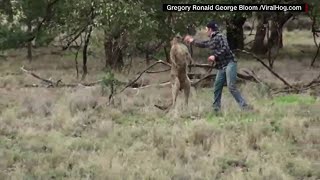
[(160, 71)]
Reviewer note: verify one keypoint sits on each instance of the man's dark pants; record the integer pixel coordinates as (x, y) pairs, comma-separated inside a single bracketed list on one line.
[(229, 74)]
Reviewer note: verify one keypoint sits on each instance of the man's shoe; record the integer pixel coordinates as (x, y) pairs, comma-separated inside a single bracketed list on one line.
[(217, 113), (248, 108)]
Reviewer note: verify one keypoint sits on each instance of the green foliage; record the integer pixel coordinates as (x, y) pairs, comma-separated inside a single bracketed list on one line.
[(11, 37), (31, 10), (109, 82), (144, 21), (45, 37)]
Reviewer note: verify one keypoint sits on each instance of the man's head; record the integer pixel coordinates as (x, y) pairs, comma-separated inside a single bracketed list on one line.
[(212, 26)]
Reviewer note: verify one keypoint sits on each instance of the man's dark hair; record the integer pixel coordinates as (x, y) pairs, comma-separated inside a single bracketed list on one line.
[(213, 25)]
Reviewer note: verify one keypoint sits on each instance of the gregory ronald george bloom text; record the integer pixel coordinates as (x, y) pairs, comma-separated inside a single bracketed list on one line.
[(231, 7)]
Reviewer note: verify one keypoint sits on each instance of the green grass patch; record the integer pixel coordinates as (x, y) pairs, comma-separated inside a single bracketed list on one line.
[(234, 118), (294, 100)]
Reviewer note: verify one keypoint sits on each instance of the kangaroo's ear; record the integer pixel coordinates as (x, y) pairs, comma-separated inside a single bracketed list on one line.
[(178, 36)]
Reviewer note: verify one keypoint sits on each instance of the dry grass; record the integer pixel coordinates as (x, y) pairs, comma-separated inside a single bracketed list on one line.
[(56, 133)]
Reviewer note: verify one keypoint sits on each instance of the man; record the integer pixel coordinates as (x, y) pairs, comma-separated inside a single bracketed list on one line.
[(225, 63)]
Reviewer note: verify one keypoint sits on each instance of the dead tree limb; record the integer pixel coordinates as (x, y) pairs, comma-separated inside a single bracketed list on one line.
[(266, 66), (241, 76), (313, 29), (49, 82), (59, 82), (314, 33), (203, 78), (315, 56), (189, 65), (299, 88), (139, 75), (200, 65), (315, 80), (160, 71), (163, 62)]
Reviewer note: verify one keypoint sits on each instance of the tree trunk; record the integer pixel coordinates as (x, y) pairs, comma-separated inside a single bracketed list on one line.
[(277, 28), (113, 51), (259, 46), (29, 46), (85, 53), (315, 57), (235, 32), (147, 58), (107, 50), (275, 36), (118, 56), (270, 48), (167, 54)]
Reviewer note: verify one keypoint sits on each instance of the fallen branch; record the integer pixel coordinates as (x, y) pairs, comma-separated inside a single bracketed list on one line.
[(212, 76), (251, 75), (51, 83), (160, 71), (299, 88), (163, 62), (140, 74), (59, 82), (203, 78), (266, 66), (200, 65), (154, 85), (314, 81), (290, 90)]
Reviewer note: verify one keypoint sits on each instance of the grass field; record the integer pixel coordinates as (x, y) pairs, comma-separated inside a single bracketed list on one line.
[(53, 133)]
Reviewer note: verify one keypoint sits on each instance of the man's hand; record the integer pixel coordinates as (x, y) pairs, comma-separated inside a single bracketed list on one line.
[(188, 39), (211, 58)]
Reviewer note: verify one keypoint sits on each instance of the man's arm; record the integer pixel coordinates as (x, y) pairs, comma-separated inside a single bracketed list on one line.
[(201, 44)]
